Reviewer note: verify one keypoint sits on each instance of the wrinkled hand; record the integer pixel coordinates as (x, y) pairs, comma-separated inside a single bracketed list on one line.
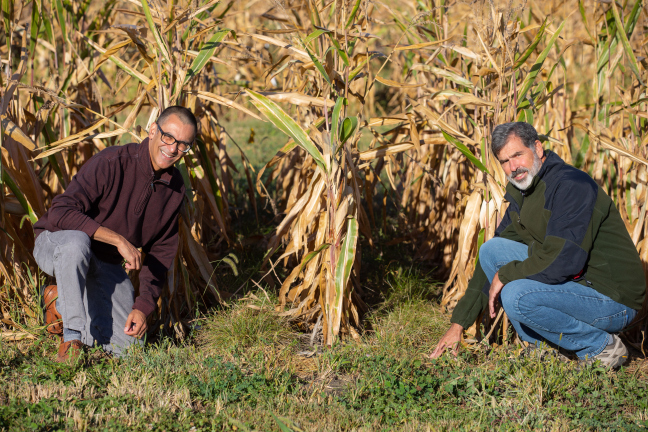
[(449, 340), (136, 324), (493, 294), (130, 253)]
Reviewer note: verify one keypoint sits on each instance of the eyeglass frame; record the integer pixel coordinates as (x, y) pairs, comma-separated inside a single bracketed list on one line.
[(175, 141)]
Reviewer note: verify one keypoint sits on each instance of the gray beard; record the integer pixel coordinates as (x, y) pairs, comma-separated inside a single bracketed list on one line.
[(524, 184)]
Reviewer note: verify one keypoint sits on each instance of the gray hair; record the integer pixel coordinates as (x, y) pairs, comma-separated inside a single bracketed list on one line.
[(502, 133)]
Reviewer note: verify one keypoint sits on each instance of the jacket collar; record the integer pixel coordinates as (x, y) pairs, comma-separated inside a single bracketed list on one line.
[(552, 161), (144, 162)]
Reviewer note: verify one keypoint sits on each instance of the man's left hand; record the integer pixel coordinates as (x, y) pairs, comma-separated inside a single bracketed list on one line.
[(493, 294), (136, 324)]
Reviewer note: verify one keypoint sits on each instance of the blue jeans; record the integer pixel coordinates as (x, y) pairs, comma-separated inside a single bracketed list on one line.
[(568, 315)]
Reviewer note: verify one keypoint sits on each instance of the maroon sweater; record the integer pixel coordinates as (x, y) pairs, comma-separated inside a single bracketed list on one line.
[(117, 189)]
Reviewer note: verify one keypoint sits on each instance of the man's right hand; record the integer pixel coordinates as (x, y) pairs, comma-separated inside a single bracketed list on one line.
[(449, 340), (129, 252)]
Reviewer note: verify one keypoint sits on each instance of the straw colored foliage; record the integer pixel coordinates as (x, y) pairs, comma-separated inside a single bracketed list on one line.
[(426, 82)]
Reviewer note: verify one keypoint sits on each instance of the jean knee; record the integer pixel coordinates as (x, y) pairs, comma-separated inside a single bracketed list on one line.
[(510, 297), (76, 246)]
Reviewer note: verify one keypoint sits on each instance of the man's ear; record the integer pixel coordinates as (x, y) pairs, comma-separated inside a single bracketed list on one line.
[(539, 150), (152, 130)]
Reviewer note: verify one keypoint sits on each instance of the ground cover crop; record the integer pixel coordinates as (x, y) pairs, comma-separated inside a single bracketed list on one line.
[(243, 369)]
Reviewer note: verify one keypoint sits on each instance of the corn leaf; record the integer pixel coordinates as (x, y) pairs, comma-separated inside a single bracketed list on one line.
[(465, 150), (525, 55), (344, 265), (349, 126), (6, 179), (537, 66), (156, 34), (444, 74), (626, 44), (206, 51), (317, 33), (335, 120), (353, 13), (312, 255), (61, 18), (287, 125)]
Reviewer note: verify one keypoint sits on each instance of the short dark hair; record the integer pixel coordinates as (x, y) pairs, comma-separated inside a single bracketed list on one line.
[(185, 115), (503, 132)]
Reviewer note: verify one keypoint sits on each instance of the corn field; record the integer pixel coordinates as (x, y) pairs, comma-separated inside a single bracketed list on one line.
[(427, 81)]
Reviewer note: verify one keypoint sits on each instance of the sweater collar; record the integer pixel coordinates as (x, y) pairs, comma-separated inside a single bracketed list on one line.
[(144, 162)]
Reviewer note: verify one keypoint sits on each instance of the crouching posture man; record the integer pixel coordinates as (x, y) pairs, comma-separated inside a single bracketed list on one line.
[(124, 198), (561, 262)]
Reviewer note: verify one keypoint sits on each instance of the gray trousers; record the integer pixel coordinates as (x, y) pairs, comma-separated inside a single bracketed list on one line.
[(94, 297)]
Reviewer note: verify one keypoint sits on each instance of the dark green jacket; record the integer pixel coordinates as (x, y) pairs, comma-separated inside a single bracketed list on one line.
[(574, 233)]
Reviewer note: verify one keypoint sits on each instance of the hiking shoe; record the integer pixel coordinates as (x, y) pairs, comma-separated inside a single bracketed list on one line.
[(69, 351), (52, 317), (613, 355)]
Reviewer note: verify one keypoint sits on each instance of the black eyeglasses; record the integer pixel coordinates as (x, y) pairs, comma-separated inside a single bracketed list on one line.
[(169, 139)]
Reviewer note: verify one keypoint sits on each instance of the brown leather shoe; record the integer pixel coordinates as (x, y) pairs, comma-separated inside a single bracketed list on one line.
[(69, 351), (52, 317)]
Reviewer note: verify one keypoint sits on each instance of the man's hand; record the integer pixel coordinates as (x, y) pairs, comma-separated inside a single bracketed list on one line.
[(136, 324), (493, 294), (129, 252), (449, 340), (132, 256)]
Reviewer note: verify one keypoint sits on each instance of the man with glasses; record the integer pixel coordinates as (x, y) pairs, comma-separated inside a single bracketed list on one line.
[(123, 199)]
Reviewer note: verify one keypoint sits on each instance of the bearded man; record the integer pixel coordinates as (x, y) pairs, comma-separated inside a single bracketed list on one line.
[(562, 262), (124, 198)]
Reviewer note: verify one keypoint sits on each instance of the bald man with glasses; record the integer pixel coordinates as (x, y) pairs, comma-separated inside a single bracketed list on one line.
[(125, 198)]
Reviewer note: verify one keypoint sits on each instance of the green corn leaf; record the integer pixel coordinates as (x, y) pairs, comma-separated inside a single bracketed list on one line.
[(613, 39), (465, 150), (206, 52), (338, 48), (531, 48), (480, 242), (317, 63), (537, 66), (335, 120), (7, 15), (161, 46), (349, 126), (626, 43), (119, 62), (287, 125), (582, 12), (312, 255), (317, 33), (36, 21), (6, 179), (526, 115), (353, 14), (345, 264)]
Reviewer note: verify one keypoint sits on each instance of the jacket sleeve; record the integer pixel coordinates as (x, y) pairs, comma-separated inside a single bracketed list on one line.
[(475, 299), (566, 246), (158, 260), (69, 211)]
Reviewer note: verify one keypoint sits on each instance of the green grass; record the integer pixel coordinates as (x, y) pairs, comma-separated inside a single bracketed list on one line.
[(245, 368)]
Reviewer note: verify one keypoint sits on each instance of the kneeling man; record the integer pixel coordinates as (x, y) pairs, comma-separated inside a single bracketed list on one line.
[(124, 198), (562, 262)]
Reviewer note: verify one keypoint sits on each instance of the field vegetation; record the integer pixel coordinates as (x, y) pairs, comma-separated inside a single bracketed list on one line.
[(337, 197)]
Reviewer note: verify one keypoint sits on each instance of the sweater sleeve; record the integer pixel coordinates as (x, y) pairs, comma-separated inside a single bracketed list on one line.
[(69, 211), (566, 246), (158, 260)]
